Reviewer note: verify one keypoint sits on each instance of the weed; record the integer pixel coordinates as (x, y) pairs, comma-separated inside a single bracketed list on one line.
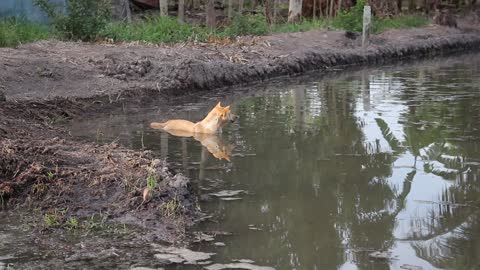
[(72, 223), (16, 31), (301, 26), (52, 220), (152, 182), (57, 120), (50, 175), (171, 207)]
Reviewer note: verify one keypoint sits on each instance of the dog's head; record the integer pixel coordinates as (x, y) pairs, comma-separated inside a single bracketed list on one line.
[(225, 115)]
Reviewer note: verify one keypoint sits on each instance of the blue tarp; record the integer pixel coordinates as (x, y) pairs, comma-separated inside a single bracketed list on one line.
[(26, 9)]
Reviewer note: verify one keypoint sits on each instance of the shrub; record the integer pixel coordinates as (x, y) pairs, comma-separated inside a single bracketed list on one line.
[(84, 18), (350, 20)]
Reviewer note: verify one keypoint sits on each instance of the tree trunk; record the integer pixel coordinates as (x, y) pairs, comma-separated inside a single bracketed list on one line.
[(294, 10), (254, 5), (399, 5), (163, 7), (331, 8), (128, 11), (275, 11), (269, 11), (339, 6), (181, 10), (230, 9), (240, 7), (411, 5), (211, 20), (196, 4), (314, 11)]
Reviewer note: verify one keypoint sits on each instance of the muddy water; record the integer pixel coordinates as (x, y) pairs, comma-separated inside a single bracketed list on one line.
[(334, 168)]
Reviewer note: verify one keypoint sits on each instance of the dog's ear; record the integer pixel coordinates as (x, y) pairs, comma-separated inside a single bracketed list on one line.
[(219, 105), (227, 109)]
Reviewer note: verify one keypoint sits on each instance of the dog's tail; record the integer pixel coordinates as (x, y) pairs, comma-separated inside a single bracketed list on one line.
[(158, 125)]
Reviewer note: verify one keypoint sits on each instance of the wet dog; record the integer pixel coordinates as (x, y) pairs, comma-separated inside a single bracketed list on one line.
[(211, 124)]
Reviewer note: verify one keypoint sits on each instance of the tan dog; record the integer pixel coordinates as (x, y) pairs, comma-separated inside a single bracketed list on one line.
[(213, 123)]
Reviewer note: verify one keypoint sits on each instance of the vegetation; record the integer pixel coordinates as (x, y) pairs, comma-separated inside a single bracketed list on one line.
[(14, 32), (89, 20), (84, 20)]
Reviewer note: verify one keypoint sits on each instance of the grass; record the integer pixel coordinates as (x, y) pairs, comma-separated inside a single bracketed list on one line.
[(405, 21), (14, 32)]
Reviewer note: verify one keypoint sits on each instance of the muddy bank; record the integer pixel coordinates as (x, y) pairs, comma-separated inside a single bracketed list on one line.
[(63, 180), (52, 69)]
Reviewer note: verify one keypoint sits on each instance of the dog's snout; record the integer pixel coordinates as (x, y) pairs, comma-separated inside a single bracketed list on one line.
[(233, 118)]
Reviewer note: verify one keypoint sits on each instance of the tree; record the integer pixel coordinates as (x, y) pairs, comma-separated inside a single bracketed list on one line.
[(163, 4), (240, 7), (181, 10), (210, 14), (294, 10), (269, 11)]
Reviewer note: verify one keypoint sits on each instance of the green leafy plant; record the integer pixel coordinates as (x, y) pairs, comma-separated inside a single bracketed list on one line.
[(83, 19), (72, 223), (50, 175), (350, 20), (152, 182)]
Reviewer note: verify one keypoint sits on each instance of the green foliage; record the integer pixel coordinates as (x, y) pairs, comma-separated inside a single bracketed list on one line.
[(50, 175), (15, 31), (246, 25), (152, 182), (52, 220), (155, 30), (84, 18), (72, 223), (350, 20)]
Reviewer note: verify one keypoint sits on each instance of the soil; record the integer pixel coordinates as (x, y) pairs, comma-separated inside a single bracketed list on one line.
[(48, 82)]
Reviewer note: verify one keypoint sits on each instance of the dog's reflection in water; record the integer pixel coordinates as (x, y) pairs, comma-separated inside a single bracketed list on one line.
[(214, 144)]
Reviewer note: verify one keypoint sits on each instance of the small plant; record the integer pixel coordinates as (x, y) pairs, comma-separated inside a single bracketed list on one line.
[(152, 182), (50, 175), (72, 223), (83, 19), (51, 220), (171, 207)]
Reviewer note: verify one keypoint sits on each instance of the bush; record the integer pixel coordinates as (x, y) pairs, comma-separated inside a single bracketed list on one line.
[(84, 18), (15, 31), (247, 25), (350, 20)]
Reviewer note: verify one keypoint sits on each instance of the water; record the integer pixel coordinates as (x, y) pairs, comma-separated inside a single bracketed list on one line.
[(335, 167)]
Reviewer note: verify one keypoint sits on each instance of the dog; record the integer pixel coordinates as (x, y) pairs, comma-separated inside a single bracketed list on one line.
[(204, 131), (211, 124)]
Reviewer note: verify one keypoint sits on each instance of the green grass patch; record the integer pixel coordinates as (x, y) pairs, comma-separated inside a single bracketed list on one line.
[(404, 21), (14, 32), (302, 26), (154, 30)]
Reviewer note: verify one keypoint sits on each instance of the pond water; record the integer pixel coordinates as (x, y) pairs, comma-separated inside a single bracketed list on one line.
[(334, 167)]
